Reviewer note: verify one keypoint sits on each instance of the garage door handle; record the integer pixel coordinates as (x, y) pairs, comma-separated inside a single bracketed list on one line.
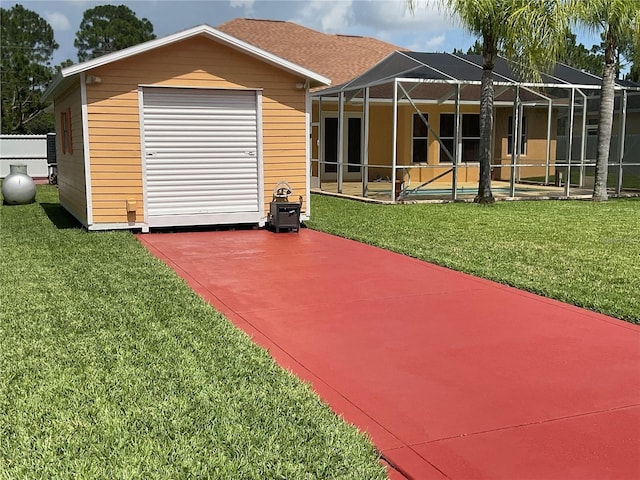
[(251, 154)]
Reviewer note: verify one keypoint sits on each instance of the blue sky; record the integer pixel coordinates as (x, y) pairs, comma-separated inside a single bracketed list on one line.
[(428, 29)]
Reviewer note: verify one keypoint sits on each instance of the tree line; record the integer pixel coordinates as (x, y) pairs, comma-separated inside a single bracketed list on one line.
[(27, 47)]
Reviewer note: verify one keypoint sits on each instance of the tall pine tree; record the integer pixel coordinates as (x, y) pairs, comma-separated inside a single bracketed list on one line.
[(27, 49), (109, 28)]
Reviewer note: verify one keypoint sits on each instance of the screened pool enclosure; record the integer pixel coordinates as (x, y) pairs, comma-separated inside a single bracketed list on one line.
[(408, 129)]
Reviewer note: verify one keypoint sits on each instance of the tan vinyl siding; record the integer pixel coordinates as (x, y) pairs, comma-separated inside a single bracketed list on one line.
[(114, 121), (71, 172)]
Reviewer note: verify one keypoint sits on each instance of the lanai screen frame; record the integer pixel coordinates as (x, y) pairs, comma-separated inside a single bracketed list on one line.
[(350, 90)]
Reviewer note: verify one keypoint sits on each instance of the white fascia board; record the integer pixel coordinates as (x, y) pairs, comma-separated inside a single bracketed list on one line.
[(55, 84), (204, 30)]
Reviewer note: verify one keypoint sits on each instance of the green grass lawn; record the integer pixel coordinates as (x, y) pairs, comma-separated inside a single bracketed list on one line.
[(580, 252), (630, 179), (110, 367)]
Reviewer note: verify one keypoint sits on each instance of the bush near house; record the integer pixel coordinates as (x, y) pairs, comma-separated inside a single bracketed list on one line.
[(580, 252), (111, 367)]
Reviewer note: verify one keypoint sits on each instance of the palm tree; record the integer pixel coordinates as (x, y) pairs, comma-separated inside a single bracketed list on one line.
[(616, 20), (529, 32)]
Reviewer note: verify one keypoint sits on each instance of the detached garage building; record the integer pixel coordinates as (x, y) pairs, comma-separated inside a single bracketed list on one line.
[(191, 129)]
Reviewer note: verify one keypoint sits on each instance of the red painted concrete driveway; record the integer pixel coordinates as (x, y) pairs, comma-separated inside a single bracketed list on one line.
[(452, 376)]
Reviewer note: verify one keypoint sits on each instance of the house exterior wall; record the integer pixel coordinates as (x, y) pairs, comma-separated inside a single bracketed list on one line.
[(72, 188), (114, 118), (437, 166), (329, 109), (536, 151), (381, 137), (632, 125), (381, 140)]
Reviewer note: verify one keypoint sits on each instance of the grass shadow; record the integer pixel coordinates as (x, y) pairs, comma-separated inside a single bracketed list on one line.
[(62, 219)]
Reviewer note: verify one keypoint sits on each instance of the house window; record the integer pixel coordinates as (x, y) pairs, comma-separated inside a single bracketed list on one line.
[(67, 139), (523, 137), (330, 133), (470, 136), (420, 139), (563, 122), (562, 126)]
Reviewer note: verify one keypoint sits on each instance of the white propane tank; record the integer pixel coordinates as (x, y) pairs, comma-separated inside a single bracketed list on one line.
[(18, 187)]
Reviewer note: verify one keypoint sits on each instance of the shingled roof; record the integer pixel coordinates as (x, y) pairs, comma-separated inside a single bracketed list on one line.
[(338, 57)]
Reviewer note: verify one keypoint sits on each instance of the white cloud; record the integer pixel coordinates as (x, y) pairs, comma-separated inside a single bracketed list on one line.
[(325, 15), (247, 5), (394, 15), (84, 4), (389, 20), (427, 43), (58, 21), (337, 18), (426, 28), (434, 43)]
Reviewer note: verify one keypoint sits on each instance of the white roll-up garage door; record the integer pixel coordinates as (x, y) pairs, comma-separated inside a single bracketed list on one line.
[(202, 162)]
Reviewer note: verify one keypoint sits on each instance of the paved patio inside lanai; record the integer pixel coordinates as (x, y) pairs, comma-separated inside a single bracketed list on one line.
[(452, 376)]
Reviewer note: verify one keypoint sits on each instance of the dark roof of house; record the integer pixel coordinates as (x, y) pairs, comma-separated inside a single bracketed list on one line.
[(453, 68)]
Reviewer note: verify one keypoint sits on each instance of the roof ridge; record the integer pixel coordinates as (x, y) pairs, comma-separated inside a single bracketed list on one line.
[(308, 29), (340, 57), (260, 20)]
